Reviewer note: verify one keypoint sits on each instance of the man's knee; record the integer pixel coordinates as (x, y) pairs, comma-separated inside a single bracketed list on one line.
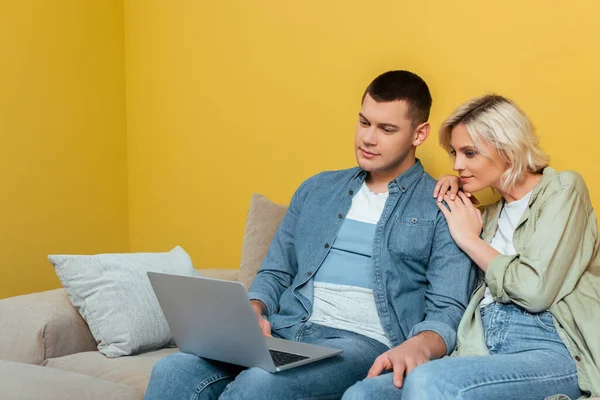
[(169, 365), (253, 383)]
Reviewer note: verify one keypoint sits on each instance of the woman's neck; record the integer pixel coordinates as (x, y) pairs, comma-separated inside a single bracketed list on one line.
[(522, 188)]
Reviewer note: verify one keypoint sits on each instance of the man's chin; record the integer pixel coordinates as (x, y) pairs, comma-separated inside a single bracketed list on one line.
[(365, 165)]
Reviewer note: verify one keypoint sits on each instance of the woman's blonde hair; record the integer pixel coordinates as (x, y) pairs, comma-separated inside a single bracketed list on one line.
[(499, 122)]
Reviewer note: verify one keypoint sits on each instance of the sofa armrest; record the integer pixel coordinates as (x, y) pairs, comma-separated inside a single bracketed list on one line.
[(225, 274), (42, 325)]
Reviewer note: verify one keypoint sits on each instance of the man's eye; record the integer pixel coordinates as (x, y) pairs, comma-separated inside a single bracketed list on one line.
[(363, 123), (388, 130)]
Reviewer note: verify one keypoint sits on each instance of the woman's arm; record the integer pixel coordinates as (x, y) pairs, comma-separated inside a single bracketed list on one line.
[(535, 276), (562, 246)]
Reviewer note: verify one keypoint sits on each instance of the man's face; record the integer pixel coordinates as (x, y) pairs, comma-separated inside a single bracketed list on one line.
[(384, 136)]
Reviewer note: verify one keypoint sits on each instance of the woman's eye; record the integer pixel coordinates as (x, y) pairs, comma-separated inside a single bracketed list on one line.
[(452, 153), (470, 154)]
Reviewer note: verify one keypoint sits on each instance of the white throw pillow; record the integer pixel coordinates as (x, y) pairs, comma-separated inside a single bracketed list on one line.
[(113, 294)]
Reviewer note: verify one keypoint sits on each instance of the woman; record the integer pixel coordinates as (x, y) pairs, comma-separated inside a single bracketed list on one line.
[(532, 327)]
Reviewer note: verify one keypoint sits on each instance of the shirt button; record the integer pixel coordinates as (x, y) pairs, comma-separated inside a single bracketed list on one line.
[(326, 245), (414, 220), (309, 274), (340, 216), (304, 318), (403, 188), (350, 192), (577, 358)]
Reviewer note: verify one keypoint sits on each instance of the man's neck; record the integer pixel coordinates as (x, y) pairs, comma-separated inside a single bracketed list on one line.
[(378, 181)]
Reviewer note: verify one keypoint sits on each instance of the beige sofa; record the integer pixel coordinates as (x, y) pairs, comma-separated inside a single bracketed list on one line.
[(47, 349), (48, 352)]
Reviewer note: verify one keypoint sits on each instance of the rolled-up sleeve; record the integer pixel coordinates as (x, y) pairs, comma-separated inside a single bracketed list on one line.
[(534, 277)]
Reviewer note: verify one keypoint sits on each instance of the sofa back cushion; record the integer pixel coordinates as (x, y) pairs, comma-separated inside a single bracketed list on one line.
[(264, 217)]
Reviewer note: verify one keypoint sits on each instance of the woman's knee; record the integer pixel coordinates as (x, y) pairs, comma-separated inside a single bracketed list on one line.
[(424, 382), (380, 387), (358, 391)]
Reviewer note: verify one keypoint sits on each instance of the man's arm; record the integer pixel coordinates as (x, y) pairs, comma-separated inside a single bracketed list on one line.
[(419, 349), (451, 279), (280, 266)]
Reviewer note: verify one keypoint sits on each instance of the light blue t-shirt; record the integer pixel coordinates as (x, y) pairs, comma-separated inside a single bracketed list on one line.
[(343, 291)]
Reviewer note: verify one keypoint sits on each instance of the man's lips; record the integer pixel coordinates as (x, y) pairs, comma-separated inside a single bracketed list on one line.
[(366, 154)]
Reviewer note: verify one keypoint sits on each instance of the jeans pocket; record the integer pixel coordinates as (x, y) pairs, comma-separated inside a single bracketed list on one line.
[(544, 319)]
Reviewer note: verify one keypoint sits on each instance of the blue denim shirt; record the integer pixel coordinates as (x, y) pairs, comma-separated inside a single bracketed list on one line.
[(421, 280)]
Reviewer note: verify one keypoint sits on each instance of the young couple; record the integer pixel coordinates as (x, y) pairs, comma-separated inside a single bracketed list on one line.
[(400, 271)]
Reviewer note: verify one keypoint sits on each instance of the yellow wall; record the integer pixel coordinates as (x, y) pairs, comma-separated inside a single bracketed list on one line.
[(63, 179), (138, 125), (233, 97)]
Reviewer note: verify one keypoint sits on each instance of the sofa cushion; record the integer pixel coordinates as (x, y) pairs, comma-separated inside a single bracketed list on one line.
[(25, 381), (264, 217), (131, 370), (114, 295), (42, 325)]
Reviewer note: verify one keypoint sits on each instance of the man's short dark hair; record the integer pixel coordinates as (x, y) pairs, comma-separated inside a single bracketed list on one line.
[(402, 85)]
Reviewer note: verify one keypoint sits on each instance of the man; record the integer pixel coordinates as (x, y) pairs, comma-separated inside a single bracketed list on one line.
[(362, 261)]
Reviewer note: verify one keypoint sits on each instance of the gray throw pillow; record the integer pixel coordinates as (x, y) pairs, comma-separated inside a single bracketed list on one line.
[(114, 296)]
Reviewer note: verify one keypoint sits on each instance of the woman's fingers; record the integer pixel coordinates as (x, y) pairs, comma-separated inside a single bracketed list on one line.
[(465, 199)]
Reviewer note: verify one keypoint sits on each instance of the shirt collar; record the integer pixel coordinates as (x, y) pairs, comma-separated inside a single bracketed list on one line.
[(402, 181)]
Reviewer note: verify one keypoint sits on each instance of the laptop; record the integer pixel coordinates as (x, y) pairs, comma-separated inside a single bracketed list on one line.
[(213, 318)]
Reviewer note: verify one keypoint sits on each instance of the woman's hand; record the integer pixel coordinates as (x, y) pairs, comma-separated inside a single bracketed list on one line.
[(450, 185), (464, 219)]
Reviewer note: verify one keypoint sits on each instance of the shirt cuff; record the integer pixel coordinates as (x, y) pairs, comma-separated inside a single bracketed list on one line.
[(271, 307), (446, 332), (494, 276)]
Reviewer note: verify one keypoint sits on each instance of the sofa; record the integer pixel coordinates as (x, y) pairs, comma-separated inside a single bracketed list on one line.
[(47, 350)]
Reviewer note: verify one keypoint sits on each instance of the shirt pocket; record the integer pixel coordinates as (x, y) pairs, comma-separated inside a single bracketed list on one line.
[(411, 238)]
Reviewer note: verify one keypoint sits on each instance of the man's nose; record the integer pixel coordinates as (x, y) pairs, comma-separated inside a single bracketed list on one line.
[(370, 135)]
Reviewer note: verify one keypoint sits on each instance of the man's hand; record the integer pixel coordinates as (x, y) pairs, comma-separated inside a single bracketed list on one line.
[(410, 354), (260, 309)]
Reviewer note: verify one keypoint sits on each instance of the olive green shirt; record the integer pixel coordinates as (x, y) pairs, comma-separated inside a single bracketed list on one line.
[(556, 268)]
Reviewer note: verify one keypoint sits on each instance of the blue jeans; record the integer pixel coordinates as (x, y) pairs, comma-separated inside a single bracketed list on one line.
[(528, 361), (185, 376)]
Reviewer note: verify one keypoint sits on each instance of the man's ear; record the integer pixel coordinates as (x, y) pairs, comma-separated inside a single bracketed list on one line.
[(421, 133)]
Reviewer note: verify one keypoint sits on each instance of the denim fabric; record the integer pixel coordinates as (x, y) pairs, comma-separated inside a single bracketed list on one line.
[(185, 376), (421, 279), (528, 360)]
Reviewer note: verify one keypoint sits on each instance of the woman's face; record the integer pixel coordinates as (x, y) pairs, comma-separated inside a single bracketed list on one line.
[(477, 169)]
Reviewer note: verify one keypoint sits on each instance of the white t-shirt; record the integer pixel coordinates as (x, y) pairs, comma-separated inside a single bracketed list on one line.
[(503, 239)]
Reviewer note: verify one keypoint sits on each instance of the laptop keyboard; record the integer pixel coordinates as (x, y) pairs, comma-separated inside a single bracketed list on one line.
[(281, 358)]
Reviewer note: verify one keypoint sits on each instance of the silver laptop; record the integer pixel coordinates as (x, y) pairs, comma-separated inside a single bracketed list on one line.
[(213, 319)]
